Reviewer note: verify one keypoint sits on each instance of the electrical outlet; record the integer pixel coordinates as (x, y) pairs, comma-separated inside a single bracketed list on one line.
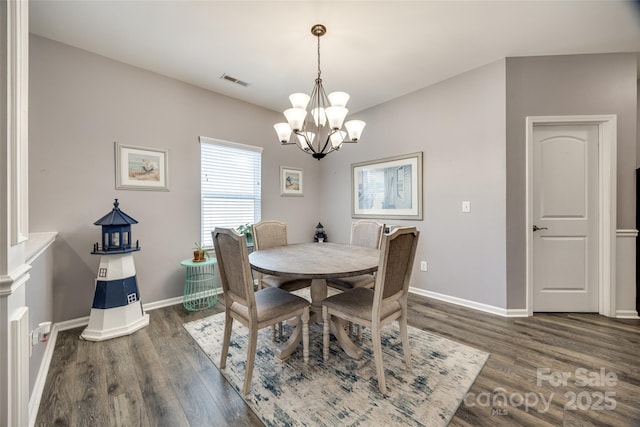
[(423, 265)]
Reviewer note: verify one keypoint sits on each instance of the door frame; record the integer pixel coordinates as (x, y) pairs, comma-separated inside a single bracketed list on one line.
[(607, 196)]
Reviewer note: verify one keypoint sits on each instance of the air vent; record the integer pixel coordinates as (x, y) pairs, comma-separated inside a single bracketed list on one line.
[(234, 80)]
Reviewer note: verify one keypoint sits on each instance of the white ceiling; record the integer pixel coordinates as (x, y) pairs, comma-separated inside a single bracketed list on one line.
[(374, 50)]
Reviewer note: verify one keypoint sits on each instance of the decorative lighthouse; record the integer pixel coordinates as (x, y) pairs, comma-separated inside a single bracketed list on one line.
[(116, 309)]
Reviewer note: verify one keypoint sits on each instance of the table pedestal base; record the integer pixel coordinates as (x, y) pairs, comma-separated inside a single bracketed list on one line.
[(298, 334), (318, 294)]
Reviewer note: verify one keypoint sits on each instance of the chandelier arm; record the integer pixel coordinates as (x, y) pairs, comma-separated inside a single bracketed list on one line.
[(326, 143), (303, 134)]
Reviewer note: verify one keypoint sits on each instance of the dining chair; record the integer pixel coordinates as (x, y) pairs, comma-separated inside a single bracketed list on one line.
[(386, 302), (254, 309), (269, 234), (364, 233)]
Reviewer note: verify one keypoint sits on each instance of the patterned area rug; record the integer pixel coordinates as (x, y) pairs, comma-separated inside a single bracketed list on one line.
[(344, 391)]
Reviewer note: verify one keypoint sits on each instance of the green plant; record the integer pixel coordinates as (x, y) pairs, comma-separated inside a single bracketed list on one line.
[(198, 247), (245, 229)]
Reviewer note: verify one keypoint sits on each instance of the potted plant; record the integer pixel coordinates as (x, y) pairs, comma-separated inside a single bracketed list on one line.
[(246, 229), (199, 253)]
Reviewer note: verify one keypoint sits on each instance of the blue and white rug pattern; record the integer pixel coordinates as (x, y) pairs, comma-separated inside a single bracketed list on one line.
[(344, 391)]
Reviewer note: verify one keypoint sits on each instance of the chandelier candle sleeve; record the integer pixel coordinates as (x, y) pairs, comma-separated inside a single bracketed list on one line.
[(317, 121)]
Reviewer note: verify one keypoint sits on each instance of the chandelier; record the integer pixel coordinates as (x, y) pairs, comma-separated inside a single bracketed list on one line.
[(317, 120)]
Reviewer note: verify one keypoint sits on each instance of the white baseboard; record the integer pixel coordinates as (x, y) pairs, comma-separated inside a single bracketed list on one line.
[(84, 321), (161, 304), (71, 324), (38, 386), (627, 314), (521, 312)]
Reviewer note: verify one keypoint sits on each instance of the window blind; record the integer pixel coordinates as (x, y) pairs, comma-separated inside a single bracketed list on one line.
[(229, 186)]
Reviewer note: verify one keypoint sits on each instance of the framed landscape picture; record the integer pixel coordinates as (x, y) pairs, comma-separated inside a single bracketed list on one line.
[(387, 188), (291, 181), (141, 168)]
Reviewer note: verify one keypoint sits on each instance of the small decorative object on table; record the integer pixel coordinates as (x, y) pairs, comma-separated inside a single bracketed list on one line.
[(199, 253), (200, 290), (320, 235)]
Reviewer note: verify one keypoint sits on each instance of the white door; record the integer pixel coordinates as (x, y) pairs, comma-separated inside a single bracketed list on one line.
[(565, 218)]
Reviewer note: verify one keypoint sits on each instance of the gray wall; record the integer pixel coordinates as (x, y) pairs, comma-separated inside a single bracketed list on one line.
[(80, 103), (459, 126), (565, 85), (470, 129)]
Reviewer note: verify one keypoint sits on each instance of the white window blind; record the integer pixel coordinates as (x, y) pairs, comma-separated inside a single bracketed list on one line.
[(229, 186)]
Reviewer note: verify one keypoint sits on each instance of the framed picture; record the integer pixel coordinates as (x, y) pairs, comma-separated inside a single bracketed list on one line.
[(387, 188), (291, 182), (141, 168)]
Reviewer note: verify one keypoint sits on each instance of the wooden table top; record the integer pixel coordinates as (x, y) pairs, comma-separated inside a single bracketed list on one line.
[(315, 260)]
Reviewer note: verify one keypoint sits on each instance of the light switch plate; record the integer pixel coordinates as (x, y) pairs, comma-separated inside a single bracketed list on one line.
[(466, 206)]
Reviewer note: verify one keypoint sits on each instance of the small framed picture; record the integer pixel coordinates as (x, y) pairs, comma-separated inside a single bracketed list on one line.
[(291, 182), (141, 168)]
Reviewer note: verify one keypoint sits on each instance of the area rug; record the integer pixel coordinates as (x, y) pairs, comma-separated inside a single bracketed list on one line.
[(344, 391)]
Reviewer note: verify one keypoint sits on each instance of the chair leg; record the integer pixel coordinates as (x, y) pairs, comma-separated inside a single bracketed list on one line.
[(273, 332), (228, 323), (404, 334), (325, 332), (305, 334), (377, 353), (251, 358)]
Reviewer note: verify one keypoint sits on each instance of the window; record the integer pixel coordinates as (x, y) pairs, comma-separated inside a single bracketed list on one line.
[(229, 186)]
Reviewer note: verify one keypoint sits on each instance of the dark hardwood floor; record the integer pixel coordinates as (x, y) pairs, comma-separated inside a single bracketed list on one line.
[(536, 373)]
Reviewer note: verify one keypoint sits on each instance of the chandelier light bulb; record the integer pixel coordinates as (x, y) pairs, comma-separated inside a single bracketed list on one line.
[(303, 143), (338, 99), (295, 117), (299, 100), (319, 116), (336, 116), (354, 127), (337, 138), (284, 131)]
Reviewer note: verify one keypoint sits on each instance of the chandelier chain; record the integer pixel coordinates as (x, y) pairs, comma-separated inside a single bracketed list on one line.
[(319, 72)]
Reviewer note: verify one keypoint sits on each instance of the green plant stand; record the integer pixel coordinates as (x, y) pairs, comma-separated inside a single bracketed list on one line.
[(200, 291)]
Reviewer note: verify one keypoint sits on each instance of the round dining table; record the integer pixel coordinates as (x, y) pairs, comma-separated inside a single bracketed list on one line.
[(318, 262)]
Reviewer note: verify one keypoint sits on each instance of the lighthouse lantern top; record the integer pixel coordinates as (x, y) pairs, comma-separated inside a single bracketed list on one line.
[(116, 232)]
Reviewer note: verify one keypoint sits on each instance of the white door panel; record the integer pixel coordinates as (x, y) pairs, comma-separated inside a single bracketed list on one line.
[(563, 179), (565, 207)]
